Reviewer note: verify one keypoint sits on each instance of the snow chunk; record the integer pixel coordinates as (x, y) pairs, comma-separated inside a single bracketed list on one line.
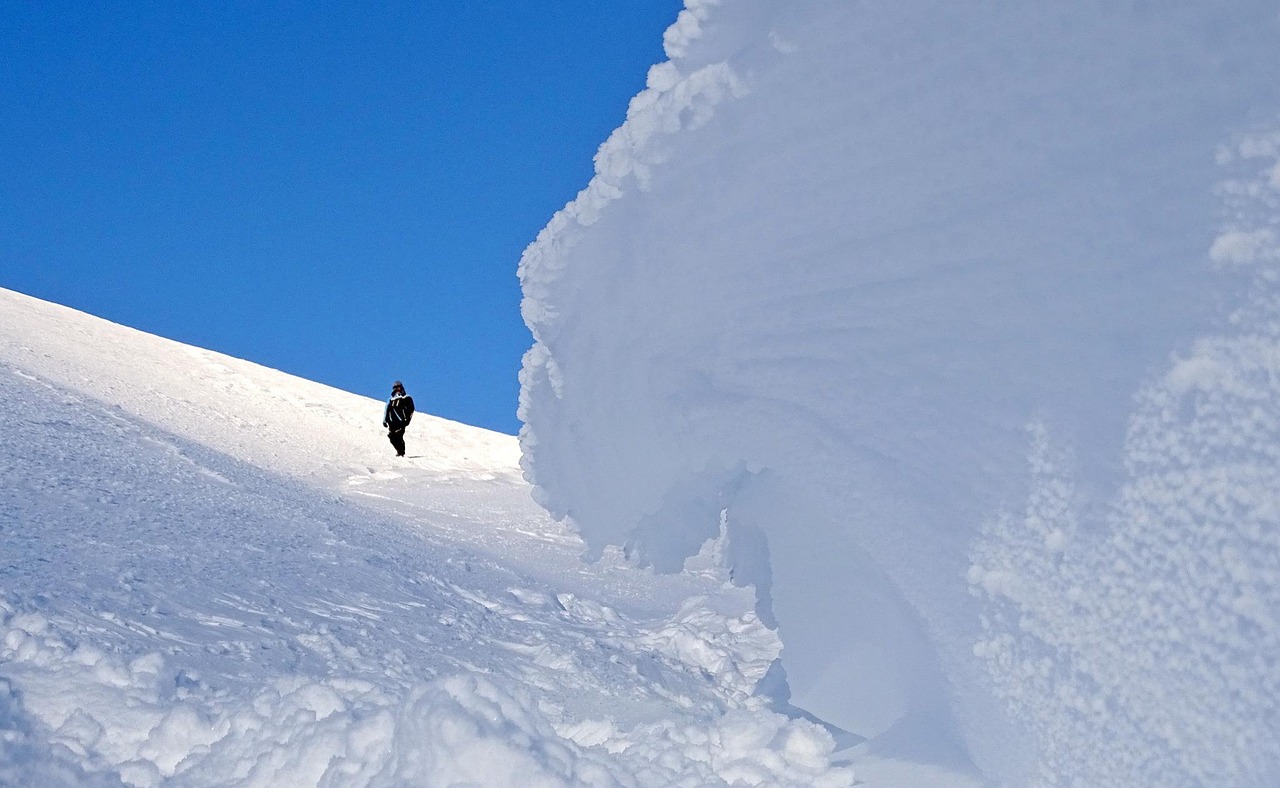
[(1240, 247), (465, 730), (687, 27)]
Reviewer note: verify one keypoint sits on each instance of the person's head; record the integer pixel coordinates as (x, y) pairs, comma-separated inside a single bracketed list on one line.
[(397, 388)]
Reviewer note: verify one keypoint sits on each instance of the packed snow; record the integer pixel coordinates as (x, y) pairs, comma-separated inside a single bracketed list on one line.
[(212, 573), (961, 321)]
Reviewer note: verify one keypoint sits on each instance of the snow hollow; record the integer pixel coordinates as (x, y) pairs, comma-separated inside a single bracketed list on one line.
[(960, 319)]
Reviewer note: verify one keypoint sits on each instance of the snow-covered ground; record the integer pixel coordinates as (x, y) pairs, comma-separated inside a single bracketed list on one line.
[(212, 573)]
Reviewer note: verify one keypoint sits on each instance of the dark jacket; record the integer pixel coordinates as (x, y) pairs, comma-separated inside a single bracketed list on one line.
[(399, 411)]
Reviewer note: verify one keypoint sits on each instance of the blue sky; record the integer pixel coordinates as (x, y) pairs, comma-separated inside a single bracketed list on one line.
[(338, 190)]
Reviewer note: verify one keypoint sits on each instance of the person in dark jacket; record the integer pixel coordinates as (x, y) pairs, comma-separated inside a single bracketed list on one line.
[(396, 418)]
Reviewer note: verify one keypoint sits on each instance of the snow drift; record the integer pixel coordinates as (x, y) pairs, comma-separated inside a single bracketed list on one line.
[(920, 300)]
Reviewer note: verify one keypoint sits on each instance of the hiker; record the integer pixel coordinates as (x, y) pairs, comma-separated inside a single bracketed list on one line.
[(399, 412)]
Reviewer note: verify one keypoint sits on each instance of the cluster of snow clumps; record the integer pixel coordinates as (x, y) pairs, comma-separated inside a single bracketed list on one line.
[(89, 718), (1163, 628)]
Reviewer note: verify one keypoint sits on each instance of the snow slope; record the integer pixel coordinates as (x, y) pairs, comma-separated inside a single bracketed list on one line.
[(214, 574), (931, 303)]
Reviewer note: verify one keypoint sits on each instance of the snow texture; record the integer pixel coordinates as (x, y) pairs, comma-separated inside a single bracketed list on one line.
[(1163, 629), (213, 574), (927, 304)]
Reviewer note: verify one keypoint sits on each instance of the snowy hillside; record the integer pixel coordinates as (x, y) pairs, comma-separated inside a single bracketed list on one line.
[(962, 317), (214, 574)]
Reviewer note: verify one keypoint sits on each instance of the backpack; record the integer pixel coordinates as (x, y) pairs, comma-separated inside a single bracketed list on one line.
[(400, 409)]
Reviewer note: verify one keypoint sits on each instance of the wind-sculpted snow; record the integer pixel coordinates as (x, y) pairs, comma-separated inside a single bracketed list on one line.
[(822, 301), (1163, 627)]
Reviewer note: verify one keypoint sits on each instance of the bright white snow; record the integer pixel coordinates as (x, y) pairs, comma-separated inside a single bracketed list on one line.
[(212, 573), (933, 348), (931, 305)]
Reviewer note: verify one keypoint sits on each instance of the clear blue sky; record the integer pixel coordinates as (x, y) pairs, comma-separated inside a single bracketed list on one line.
[(338, 190)]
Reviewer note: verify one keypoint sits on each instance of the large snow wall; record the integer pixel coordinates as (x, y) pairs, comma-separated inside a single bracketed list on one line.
[(929, 304)]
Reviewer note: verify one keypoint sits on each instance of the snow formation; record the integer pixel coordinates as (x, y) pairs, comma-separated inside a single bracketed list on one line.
[(214, 574), (935, 308)]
